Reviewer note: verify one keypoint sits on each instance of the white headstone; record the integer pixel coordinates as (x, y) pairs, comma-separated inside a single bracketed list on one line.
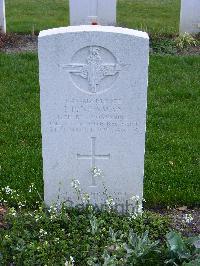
[(87, 12), (2, 17), (93, 82), (190, 16)]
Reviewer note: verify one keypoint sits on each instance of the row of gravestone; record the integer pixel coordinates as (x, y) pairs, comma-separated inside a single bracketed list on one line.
[(99, 11)]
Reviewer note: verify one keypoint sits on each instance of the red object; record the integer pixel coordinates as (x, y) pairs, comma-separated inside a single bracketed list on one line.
[(94, 23)]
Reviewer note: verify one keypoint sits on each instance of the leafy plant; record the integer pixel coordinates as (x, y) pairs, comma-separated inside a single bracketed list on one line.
[(140, 248), (181, 250), (185, 40), (89, 237), (162, 45)]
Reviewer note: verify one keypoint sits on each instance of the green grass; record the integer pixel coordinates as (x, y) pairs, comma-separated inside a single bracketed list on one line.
[(172, 166), (20, 140), (154, 16)]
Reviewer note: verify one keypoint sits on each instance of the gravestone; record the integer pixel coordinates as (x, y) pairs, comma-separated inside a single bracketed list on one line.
[(93, 82), (2, 17), (190, 16), (87, 12)]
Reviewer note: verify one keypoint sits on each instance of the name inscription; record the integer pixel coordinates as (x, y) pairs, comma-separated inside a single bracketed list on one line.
[(93, 115)]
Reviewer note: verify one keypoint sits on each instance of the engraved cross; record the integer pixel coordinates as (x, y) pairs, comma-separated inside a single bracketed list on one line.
[(93, 157)]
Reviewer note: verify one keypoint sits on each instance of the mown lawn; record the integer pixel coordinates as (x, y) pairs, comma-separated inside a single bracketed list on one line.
[(172, 166), (154, 16)]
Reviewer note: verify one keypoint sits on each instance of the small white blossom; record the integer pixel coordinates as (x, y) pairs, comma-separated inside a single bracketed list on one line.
[(8, 190), (139, 208), (31, 187), (75, 183), (13, 212), (7, 237), (37, 217), (110, 203), (86, 198), (53, 209), (42, 232), (135, 198), (21, 204), (188, 218), (70, 262), (96, 172)]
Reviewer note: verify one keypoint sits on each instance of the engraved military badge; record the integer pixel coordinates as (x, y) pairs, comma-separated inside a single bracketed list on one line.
[(93, 69)]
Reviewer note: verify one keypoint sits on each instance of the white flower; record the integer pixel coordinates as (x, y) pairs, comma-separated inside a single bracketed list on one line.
[(8, 190), (31, 187), (70, 262), (72, 259), (90, 208), (96, 172), (110, 203), (42, 232), (37, 217), (20, 204), (53, 209), (188, 218), (57, 239), (140, 208), (75, 183), (86, 198), (13, 212), (7, 237), (135, 198)]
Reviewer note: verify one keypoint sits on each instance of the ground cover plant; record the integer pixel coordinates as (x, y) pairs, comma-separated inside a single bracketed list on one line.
[(76, 236), (172, 147), (86, 235), (154, 16)]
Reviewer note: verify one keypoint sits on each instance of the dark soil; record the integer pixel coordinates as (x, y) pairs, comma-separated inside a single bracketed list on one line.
[(15, 43), (179, 222)]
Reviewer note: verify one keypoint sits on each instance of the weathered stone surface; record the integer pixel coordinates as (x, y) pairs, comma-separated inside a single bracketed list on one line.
[(190, 16), (93, 83), (2, 17), (86, 12)]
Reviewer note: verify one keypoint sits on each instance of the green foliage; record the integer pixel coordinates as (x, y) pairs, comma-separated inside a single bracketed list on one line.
[(192, 263), (138, 250), (163, 46), (151, 15), (37, 237), (91, 237), (185, 40), (181, 250)]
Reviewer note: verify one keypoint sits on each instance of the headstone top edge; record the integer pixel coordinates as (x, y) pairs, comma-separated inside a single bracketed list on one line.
[(92, 28)]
